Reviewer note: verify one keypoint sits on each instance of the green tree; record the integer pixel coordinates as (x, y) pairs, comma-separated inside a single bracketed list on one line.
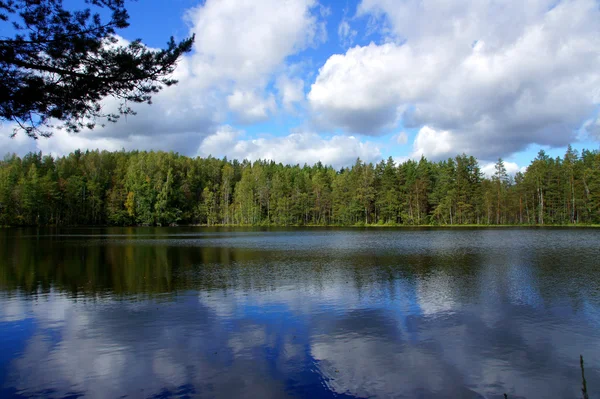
[(388, 196), (226, 193), (124, 188), (60, 64), (500, 180), (165, 212), (32, 196)]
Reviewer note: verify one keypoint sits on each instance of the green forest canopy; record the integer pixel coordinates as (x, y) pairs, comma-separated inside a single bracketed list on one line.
[(160, 188)]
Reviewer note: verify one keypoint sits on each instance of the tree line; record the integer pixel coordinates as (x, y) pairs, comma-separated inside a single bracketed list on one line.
[(165, 188)]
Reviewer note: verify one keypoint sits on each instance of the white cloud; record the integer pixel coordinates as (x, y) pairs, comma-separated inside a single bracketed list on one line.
[(346, 34), (290, 90), (432, 143), (359, 91), (247, 40), (249, 107), (239, 46), (401, 138), (295, 148), (496, 76), (216, 144)]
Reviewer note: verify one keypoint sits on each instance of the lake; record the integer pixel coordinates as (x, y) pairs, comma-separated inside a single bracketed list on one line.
[(312, 313)]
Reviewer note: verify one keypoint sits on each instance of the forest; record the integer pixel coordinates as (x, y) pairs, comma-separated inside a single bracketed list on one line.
[(164, 188)]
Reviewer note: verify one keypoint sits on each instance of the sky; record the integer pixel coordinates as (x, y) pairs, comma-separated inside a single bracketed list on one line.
[(301, 81)]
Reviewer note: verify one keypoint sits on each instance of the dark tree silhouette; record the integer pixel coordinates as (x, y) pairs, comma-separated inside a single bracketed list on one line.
[(59, 64)]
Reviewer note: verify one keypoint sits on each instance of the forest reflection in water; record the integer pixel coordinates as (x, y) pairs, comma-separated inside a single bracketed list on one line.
[(310, 313)]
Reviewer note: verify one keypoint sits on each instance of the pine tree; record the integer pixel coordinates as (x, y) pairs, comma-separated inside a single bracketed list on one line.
[(500, 181)]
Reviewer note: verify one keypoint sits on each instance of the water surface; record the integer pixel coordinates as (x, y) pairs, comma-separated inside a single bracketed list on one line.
[(314, 313)]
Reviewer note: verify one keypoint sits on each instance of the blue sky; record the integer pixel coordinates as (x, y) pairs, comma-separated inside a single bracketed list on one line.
[(305, 80)]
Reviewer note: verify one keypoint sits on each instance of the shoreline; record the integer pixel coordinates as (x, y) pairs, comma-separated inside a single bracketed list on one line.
[(356, 226)]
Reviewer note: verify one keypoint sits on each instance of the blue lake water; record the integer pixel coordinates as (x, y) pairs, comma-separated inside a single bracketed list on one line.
[(312, 313)]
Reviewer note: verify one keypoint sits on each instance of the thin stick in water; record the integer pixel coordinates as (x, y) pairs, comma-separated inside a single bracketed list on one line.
[(583, 382)]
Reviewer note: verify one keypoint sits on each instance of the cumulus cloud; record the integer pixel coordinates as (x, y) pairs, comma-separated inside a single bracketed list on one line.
[(433, 143), (249, 107), (494, 76), (246, 40), (295, 148), (290, 91), (239, 46), (358, 91), (438, 145)]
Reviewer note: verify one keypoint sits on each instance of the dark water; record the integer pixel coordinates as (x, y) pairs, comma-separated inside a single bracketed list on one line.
[(191, 312)]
